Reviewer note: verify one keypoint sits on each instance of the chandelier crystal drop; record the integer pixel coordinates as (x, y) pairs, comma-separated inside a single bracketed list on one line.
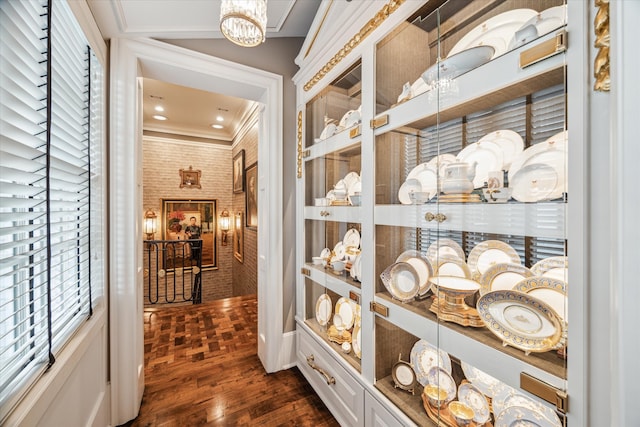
[(244, 22)]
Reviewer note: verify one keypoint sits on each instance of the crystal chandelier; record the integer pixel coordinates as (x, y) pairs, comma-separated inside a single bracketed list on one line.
[(244, 22)]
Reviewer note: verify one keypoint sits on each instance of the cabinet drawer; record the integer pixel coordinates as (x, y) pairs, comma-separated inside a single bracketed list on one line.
[(342, 394)]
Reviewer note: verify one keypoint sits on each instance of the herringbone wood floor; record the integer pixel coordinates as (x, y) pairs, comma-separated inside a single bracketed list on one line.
[(201, 368)]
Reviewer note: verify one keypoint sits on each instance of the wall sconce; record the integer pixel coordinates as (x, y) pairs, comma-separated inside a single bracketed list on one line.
[(150, 223), (225, 223)]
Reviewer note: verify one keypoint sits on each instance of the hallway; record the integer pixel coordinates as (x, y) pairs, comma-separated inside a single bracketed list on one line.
[(201, 368)]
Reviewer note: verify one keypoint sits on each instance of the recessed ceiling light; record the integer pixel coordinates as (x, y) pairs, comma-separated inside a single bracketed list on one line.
[(217, 126), (159, 108), (220, 119), (159, 117)]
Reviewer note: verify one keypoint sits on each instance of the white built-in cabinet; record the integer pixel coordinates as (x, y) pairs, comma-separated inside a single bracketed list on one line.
[(371, 126)]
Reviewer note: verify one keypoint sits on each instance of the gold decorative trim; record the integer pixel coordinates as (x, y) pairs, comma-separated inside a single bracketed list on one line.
[(601, 64), (299, 144), (367, 29)]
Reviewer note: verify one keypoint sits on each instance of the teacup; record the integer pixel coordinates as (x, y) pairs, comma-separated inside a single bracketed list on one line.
[(437, 396), (463, 414)]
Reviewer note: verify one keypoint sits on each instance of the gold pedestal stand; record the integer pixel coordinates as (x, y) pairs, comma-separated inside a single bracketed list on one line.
[(454, 309), (338, 337)]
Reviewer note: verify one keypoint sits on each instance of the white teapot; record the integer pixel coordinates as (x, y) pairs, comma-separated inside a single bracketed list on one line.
[(458, 178)]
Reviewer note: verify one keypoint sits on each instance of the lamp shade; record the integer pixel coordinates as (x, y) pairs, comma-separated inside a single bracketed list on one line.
[(225, 221), (244, 22), (150, 223)]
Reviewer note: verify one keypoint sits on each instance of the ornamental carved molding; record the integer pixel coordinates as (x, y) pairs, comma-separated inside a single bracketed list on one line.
[(601, 63), (364, 32)]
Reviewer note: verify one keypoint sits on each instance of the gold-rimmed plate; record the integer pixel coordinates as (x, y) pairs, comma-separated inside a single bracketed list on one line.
[(502, 277), (442, 247), (488, 253), (401, 280), (425, 356), (421, 264), (324, 308), (550, 290), (556, 267), (452, 266), (346, 309), (522, 321)]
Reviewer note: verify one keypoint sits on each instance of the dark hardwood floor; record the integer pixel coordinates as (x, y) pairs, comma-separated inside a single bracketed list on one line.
[(201, 368)]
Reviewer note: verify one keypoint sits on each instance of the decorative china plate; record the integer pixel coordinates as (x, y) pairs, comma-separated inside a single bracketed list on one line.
[(519, 416), (324, 308), (541, 24), (509, 141), (556, 267), (440, 377), (356, 268), (445, 247), (356, 340), (502, 277), (403, 375), (411, 185), (535, 182), (345, 308), (441, 161), (489, 157), (522, 321), (473, 397), (488, 253), (328, 131), (340, 250), (556, 145), (488, 385), (509, 397), (401, 280), (421, 264), (455, 65), (428, 177), (425, 356), (550, 290), (452, 266), (496, 31), (351, 238)]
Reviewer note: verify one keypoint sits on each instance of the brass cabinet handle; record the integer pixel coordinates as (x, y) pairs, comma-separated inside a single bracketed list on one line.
[(324, 213), (438, 217), (328, 378)]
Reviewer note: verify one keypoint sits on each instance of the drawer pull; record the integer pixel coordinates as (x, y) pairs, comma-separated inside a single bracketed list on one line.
[(429, 216), (328, 378), (325, 213)]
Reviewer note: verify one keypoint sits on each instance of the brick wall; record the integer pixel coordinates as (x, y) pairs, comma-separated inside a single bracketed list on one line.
[(162, 160), (245, 273)]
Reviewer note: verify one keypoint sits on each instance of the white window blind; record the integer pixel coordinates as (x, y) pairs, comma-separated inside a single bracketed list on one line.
[(50, 125)]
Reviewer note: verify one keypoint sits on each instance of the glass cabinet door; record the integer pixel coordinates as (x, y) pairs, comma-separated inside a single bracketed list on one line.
[(333, 216), (471, 157)]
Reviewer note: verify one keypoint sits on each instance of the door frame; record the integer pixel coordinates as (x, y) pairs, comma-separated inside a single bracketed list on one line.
[(132, 59)]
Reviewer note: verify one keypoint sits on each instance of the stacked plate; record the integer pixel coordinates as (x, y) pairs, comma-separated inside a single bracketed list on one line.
[(345, 251), (348, 120), (349, 186), (539, 172)]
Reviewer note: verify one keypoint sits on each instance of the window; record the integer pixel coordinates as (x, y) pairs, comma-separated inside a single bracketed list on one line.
[(51, 122)]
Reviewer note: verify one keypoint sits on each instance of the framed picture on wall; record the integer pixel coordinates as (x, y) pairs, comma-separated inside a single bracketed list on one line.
[(238, 172), (190, 178), (238, 237), (251, 195), (189, 219)]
